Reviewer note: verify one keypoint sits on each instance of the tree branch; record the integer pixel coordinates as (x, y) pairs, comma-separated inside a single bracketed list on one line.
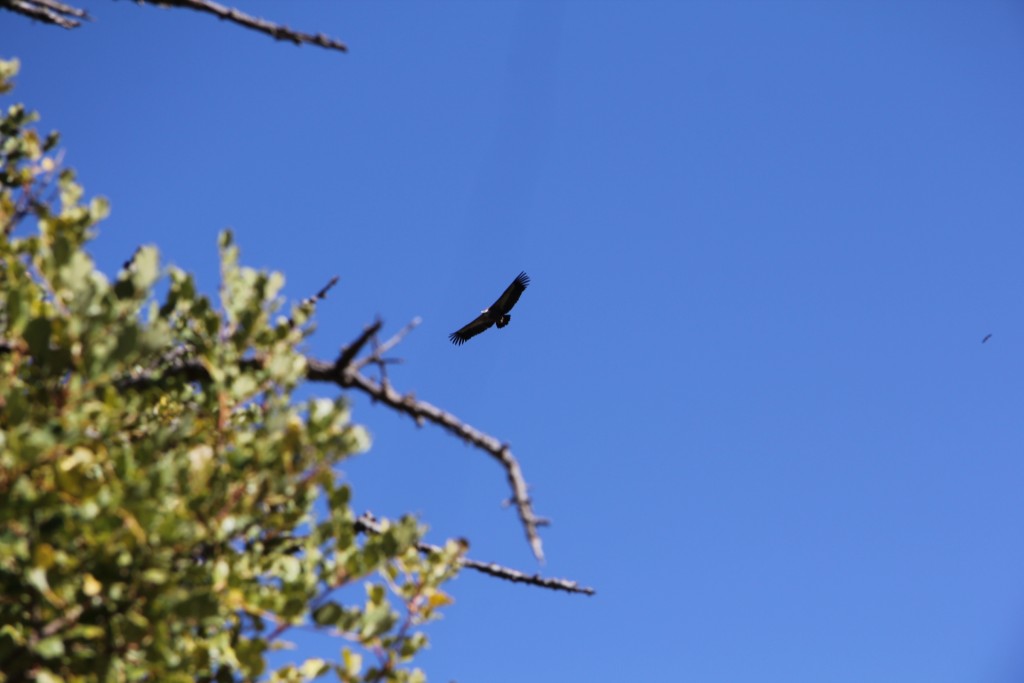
[(367, 524), (322, 294), (66, 16), (47, 11), (350, 351), (277, 31), (346, 376), (378, 352)]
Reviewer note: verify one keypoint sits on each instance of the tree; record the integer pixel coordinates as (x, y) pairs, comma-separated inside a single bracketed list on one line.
[(159, 480)]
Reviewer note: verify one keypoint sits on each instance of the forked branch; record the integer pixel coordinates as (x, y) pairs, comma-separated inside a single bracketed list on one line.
[(347, 375), (47, 11)]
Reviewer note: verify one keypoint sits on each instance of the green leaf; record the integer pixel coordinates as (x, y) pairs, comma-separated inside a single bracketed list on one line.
[(288, 568), (155, 576), (50, 648), (37, 336), (352, 662), (15, 310), (375, 593), (127, 343), (340, 498), (76, 273), (327, 614), (8, 70), (243, 387), (314, 668), (145, 268), (250, 656), (36, 577)]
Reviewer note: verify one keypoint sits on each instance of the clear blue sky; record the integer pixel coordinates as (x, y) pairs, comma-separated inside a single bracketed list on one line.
[(747, 382)]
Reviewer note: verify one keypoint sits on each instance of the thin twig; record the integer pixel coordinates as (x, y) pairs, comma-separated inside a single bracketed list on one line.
[(380, 350), (322, 294), (277, 31), (350, 351), (46, 11), (367, 523), (66, 16), (62, 8), (311, 301)]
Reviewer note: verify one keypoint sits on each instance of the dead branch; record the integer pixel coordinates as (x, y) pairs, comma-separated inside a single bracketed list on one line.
[(66, 16), (310, 301), (47, 11), (277, 31), (350, 351), (377, 356), (367, 523), (346, 376), (322, 294)]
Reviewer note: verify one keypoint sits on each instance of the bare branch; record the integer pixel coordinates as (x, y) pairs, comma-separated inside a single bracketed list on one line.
[(47, 11), (381, 349), (349, 352), (348, 377), (322, 294), (310, 301), (63, 9), (277, 31), (66, 16), (367, 523)]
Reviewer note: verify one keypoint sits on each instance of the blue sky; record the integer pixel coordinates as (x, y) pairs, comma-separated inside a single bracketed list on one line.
[(747, 382)]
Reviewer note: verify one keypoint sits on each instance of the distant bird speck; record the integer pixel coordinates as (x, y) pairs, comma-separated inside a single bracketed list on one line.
[(496, 314), (987, 337)]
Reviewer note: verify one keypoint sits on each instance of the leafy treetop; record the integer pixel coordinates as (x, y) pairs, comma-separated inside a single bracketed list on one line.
[(165, 530)]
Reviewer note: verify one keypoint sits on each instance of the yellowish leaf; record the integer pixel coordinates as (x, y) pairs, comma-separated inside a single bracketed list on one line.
[(42, 555), (352, 661), (439, 599), (90, 585)]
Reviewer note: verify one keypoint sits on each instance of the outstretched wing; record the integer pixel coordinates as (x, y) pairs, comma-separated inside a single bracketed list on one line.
[(511, 295), (461, 336)]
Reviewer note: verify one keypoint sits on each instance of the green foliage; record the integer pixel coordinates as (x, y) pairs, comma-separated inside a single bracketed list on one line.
[(158, 480)]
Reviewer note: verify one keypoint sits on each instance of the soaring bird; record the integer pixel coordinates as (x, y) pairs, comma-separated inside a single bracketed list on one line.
[(497, 314)]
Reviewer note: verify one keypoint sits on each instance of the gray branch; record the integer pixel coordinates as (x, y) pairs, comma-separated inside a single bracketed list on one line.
[(66, 16), (345, 375), (47, 11), (276, 31)]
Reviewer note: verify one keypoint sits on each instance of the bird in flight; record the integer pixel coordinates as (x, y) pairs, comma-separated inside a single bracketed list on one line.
[(497, 314), (987, 337)]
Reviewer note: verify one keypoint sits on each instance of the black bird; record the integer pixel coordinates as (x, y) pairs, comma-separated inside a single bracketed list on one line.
[(497, 314), (987, 337)]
